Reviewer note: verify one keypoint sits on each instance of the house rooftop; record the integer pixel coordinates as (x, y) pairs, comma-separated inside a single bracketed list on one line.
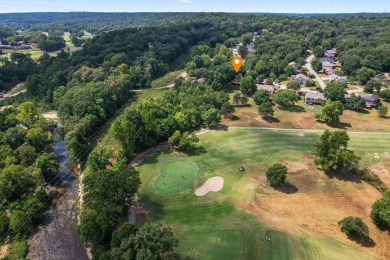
[(315, 95), (331, 51), (327, 64), (371, 97), (269, 88), (300, 76)]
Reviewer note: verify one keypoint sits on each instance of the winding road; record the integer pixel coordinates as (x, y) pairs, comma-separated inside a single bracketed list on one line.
[(312, 71)]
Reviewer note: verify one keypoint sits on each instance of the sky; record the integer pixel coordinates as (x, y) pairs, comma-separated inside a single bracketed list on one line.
[(273, 6)]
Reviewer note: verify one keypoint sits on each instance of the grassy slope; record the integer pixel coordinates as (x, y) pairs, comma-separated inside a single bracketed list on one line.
[(239, 235), (167, 79)]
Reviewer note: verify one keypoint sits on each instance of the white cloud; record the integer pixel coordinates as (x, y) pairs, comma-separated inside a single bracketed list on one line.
[(186, 1)]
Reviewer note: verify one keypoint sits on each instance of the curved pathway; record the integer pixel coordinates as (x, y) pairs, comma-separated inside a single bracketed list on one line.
[(312, 71)]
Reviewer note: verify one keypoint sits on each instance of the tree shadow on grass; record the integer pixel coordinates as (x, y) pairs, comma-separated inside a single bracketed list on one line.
[(154, 211), (196, 151), (177, 256), (287, 188), (365, 242), (341, 125), (151, 158), (362, 111), (233, 117), (344, 175), (294, 108), (271, 119)]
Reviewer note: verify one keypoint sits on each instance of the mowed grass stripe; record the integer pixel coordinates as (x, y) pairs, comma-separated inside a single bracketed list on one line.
[(237, 234)]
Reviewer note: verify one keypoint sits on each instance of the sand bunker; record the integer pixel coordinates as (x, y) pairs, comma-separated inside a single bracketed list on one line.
[(212, 184)]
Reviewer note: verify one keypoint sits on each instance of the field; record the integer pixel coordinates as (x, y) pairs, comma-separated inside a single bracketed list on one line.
[(303, 116), (301, 219)]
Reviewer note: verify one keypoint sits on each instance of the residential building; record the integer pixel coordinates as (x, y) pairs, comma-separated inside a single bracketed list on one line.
[(371, 100), (342, 79), (302, 78), (327, 59), (330, 53), (314, 98), (237, 79), (269, 88)]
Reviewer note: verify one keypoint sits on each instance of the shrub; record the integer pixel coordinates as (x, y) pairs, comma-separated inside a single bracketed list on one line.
[(354, 227), (277, 174), (380, 212), (382, 111)]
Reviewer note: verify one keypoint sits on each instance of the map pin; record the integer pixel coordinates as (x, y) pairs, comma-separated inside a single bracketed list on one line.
[(237, 63)]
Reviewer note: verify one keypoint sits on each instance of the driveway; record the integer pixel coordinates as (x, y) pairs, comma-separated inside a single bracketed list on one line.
[(312, 71)]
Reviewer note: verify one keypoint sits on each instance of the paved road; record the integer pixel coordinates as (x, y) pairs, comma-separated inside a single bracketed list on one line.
[(310, 69), (301, 130)]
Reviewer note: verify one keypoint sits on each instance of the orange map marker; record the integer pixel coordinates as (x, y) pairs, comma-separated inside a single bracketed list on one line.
[(237, 63)]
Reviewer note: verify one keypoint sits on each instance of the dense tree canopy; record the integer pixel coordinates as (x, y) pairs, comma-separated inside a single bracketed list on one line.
[(330, 113), (332, 151)]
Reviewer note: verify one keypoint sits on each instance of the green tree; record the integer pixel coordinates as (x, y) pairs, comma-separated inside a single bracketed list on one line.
[(266, 109), (28, 113), (335, 91), (385, 94), (244, 99), (316, 64), (276, 174), (183, 141), (227, 109), (248, 85), (330, 113), (261, 96), (156, 238), (355, 102), (364, 74), (39, 138), (122, 233), (354, 227), (380, 213), (310, 83), (47, 163), (236, 98), (26, 154), (14, 137), (243, 51), (211, 117), (125, 133), (318, 51), (372, 86), (332, 151), (382, 111), (285, 97), (293, 85), (14, 182), (4, 225), (245, 39)]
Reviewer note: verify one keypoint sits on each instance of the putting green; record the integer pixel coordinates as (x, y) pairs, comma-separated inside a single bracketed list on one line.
[(175, 176)]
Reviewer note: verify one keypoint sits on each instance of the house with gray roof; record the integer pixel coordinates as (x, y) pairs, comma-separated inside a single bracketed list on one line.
[(314, 98), (372, 100), (302, 78), (269, 88)]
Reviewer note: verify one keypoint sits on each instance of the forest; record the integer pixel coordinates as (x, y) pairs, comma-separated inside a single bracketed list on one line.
[(93, 87)]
